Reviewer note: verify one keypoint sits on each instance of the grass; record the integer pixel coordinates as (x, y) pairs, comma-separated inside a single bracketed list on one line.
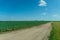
[(15, 25), (55, 33)]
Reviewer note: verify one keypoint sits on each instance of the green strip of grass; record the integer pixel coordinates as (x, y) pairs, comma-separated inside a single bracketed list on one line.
[(15, 25), (55, 33)]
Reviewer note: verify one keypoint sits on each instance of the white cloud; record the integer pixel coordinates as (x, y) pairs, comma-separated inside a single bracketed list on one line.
[(42, 3), (44, 14), (55, 15)]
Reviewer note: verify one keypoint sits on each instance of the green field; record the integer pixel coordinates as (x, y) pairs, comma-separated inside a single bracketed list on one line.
[(55, 33), (15, 25)]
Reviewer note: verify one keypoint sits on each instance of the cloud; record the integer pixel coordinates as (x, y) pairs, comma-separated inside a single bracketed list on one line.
[(44, 14), (55, 15), (42, 3)]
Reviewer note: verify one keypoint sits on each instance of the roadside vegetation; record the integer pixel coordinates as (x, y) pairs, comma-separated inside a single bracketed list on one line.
[(15, 25), (55, 33)]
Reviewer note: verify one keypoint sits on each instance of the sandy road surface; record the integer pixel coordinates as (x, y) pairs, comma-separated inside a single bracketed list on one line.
[(36, 33)]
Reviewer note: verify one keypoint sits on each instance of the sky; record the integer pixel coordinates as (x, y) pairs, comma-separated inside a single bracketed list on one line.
[(21, 10)]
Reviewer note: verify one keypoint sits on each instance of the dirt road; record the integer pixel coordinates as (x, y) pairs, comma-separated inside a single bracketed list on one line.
[(36, 33)]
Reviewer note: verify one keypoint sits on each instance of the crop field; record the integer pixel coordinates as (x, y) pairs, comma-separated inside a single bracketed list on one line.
[(55, 33), (15, 25)]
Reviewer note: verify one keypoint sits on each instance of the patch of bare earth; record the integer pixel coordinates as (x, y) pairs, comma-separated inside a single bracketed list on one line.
[(35, 33)]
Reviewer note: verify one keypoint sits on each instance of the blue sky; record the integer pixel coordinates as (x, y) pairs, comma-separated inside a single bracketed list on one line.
[(29, 10)]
